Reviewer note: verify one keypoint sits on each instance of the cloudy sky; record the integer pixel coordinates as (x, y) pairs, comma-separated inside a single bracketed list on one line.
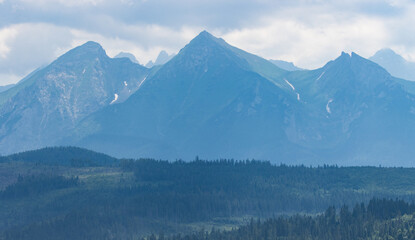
[(306, 32)]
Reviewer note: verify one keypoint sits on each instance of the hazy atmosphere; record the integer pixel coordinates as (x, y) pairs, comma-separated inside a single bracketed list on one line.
[(308, 33), (207, 120)]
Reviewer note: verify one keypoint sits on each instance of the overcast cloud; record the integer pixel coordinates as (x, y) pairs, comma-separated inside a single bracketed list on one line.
[(307, 32)]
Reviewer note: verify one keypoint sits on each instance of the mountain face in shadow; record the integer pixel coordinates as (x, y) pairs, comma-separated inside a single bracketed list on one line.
[(214, 101), (211, 100), (362, 115), (48, 104)]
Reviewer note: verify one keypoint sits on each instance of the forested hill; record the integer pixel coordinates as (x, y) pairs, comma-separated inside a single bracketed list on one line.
[(62, 156), (46, 195), (41, 199)]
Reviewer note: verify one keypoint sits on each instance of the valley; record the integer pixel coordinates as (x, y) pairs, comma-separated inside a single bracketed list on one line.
[(127, 199)]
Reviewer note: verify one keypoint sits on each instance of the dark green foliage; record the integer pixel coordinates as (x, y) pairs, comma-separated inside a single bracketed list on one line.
[(148, 196), (63, 156), (34, 185), (360, 223)]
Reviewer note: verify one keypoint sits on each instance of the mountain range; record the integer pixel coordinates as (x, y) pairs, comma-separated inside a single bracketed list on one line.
[(214, 101)]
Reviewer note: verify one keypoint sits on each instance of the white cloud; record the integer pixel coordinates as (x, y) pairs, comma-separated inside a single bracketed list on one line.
[(401, 34), (307, 32), (144, 41), (70, 3), (25, 47), (310, 46), (6, 35), (6, 79)]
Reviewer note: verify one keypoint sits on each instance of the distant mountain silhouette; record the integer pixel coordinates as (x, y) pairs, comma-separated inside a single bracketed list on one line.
[(395, 64), (289, 66), (162, 58), (127, 55)]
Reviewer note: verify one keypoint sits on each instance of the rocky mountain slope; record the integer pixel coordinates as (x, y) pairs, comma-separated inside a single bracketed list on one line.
[(211, 100), (214, 101), (50, 102)]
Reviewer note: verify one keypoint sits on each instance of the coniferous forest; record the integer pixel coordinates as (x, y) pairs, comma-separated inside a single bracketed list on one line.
[(379, 219), (51, 196), (207, 120)]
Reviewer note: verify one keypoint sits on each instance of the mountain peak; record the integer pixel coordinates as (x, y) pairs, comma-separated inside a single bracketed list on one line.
[(91, 46), (161, 59), (127, 55), (348, 58), (387, 54), (353, 60), (353, 70), (345, 55), (205, 37), (205, 34), (85, 52), (206, 46), (395, 64), (163, 54), (344, 58), (387, 51)]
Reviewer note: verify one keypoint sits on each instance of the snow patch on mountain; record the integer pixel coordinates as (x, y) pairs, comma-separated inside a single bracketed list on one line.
[(115, 99), (142, 82), (293, 88), (321, 75), (328, 106)]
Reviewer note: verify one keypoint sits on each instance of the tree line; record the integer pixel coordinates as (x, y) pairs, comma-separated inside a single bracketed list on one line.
[(157, 195), (380, 219)]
